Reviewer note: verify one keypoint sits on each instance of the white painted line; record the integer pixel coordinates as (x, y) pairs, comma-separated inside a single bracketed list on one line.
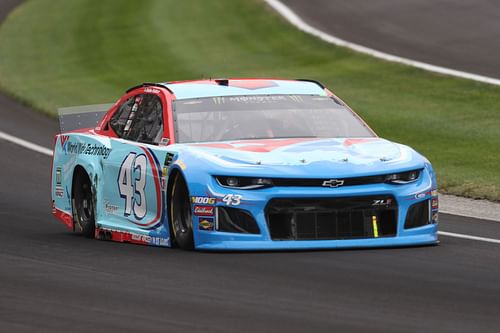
[(476, 238), (295, 20), (25, 144)]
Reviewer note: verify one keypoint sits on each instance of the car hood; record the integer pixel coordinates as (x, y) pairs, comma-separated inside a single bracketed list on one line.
[(305, 157)]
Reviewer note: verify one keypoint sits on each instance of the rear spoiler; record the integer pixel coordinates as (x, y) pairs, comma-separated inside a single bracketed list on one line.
[(84, 116)]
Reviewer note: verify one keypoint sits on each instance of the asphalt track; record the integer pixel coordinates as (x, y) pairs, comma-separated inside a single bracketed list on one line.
[(457, 34), (52, 280)]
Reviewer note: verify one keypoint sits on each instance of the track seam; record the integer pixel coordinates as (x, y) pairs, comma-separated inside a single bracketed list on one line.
[(299, 23)]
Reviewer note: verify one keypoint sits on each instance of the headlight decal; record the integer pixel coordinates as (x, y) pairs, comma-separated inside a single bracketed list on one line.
[(244, 183)]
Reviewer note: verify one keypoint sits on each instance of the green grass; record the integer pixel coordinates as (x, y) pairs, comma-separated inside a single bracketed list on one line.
[(59, 53)]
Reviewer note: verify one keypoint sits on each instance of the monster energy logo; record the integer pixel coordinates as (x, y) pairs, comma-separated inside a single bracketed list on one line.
[(296, 98), (219, 100)]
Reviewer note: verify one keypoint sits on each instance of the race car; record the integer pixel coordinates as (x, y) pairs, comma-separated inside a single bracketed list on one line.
[(239, 164)]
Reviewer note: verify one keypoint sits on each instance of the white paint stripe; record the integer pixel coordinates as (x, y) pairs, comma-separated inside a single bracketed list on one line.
[(294, 19), (476, 238), (25, 144), (474, 215)]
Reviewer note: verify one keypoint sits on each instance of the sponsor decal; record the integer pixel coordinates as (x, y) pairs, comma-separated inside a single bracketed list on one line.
[(332, 183), (59, 191), (382, 202), (434, 193), (166, 164), (58, 176), (204, 210), (296, 98), (149, 239), (191, 102), (182, 165), (258, 99), (232, 199), (435, 203), (141, 238), (63, 139), (152, 90), (168, 159), (203, 200), (206, 224), (80, 148), (435, 217), (110, 208), (420, 195), (218, 100)]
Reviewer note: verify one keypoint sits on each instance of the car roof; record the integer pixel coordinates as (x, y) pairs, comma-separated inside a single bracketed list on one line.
[(234, 87)]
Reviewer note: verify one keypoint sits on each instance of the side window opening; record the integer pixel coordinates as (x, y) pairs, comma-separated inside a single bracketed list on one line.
[(140, 119), (121, 117)]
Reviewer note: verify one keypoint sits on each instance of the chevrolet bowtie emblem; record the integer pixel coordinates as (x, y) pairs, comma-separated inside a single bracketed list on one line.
[(333, 183)]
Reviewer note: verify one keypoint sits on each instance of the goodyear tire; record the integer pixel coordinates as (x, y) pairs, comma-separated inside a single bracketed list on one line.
[(181, 216), (83, 206)]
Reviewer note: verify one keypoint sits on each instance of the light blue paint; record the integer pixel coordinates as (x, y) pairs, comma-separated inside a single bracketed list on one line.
[(200, 90)]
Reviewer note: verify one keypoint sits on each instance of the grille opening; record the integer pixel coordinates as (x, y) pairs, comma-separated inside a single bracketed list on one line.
[(339, 218), (281, 227), (418, 215), (236, 220), (324, 225), (390, 224)]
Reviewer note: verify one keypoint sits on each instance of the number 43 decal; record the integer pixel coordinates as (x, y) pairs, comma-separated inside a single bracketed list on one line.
[(131, 184), (232, 199)]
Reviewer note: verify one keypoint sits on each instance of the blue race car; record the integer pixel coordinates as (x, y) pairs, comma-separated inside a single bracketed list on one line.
[(239, 164)]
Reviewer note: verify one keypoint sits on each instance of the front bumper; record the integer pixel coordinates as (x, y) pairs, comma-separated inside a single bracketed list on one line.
[(423, 236), (255, 202)]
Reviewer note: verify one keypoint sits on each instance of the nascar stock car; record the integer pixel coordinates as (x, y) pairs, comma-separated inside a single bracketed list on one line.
[(239, 164)]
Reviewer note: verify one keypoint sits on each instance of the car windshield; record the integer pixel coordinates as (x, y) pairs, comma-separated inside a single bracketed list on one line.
[(264, 117)]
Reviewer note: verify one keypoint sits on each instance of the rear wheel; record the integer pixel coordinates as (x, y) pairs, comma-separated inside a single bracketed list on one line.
[(180, 210), (83, 205)]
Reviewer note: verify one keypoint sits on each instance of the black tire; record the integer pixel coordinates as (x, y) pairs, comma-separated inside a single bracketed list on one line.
[(181, 215), (83, 206)]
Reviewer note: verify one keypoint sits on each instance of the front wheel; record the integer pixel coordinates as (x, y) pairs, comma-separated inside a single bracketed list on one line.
[(180, 210)]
